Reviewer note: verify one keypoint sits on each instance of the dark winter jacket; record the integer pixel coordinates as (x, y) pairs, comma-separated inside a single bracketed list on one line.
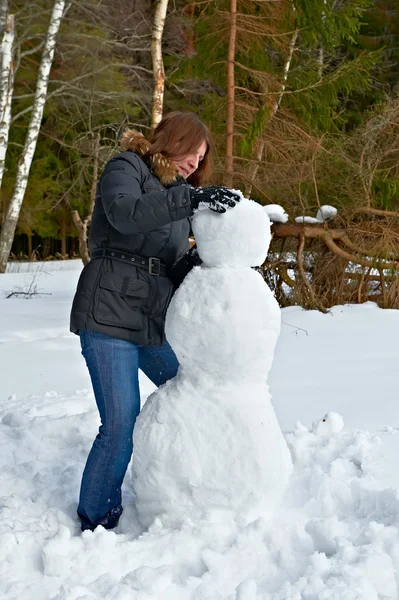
[(137, 213)]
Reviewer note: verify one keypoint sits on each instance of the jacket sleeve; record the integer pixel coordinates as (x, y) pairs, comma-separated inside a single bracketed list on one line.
[(131, 211)]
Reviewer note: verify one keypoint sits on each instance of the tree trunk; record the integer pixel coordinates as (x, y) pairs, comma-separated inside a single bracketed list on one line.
[(46, 248), (320, 61), (3, 16), (63, 237), (30, 249), (96, 163), (6, 88), (190, 37), (260, 145), (157, 61), (25, 162), (228, 179), (82, 224)]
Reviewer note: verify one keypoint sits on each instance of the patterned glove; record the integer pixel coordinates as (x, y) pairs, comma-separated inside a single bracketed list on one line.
[(218, 198)]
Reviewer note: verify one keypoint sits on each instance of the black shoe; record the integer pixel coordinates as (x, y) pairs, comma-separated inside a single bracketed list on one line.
[(110, 520)]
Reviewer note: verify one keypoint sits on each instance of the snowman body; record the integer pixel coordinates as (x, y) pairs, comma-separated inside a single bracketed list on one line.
[(208, 440)]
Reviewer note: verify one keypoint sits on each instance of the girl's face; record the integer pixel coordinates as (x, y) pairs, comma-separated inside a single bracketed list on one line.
[(186, 165)]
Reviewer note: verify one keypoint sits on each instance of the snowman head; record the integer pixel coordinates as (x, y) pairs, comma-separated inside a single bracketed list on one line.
[(240, 237)]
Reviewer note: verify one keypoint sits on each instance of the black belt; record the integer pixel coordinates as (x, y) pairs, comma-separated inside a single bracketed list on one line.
[(153, 265)]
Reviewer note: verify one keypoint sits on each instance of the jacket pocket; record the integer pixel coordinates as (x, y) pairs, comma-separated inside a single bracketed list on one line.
[(119, 301)]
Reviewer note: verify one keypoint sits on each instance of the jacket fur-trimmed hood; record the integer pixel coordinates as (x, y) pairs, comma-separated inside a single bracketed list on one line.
[(163, 168)]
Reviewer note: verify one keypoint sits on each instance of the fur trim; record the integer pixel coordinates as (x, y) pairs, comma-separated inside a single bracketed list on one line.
[(134, 141), (163, 168)]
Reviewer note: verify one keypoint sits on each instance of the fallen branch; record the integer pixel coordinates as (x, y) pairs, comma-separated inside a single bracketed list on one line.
[(282, 271), (361, 277), (376, 211), (329, 242), (359, 250), (29, 294), (295, 327), (329, 237)]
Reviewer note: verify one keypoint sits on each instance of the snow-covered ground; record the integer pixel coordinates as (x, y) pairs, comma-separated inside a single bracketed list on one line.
[(336, 535)]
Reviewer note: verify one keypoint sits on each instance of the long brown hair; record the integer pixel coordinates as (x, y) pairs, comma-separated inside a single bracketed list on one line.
[(179, 134)]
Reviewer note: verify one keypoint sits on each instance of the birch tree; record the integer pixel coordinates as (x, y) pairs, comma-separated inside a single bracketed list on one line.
[(24, 164), (157, 61), (3, 15), (6, 88)]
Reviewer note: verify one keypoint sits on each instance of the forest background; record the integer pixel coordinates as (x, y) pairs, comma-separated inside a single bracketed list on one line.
[(302, 97)]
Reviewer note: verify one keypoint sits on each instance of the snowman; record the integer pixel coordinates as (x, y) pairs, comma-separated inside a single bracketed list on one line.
[(208, 441)]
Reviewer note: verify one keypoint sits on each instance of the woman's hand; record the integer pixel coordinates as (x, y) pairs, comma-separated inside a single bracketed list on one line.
[(218, 198), (182, 267)]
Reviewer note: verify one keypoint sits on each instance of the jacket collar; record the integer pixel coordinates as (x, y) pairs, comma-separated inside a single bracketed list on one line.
[(163, 168)]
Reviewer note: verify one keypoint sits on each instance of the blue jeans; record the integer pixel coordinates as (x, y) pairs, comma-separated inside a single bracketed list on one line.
[(113, 366)]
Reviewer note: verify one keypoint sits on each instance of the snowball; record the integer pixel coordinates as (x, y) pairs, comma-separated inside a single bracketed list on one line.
[(201, 448), (224, 323), (331, 423), (276, 213), (312, 220), (326, 213), (238, 237)]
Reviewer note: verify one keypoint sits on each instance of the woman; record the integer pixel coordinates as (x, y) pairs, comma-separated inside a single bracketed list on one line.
[(139, 231)]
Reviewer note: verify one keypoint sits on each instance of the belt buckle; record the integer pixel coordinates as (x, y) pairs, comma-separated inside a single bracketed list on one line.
[(154, 266)]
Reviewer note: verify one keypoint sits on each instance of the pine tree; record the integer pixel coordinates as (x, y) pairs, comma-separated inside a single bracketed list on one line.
[(291, 80)]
